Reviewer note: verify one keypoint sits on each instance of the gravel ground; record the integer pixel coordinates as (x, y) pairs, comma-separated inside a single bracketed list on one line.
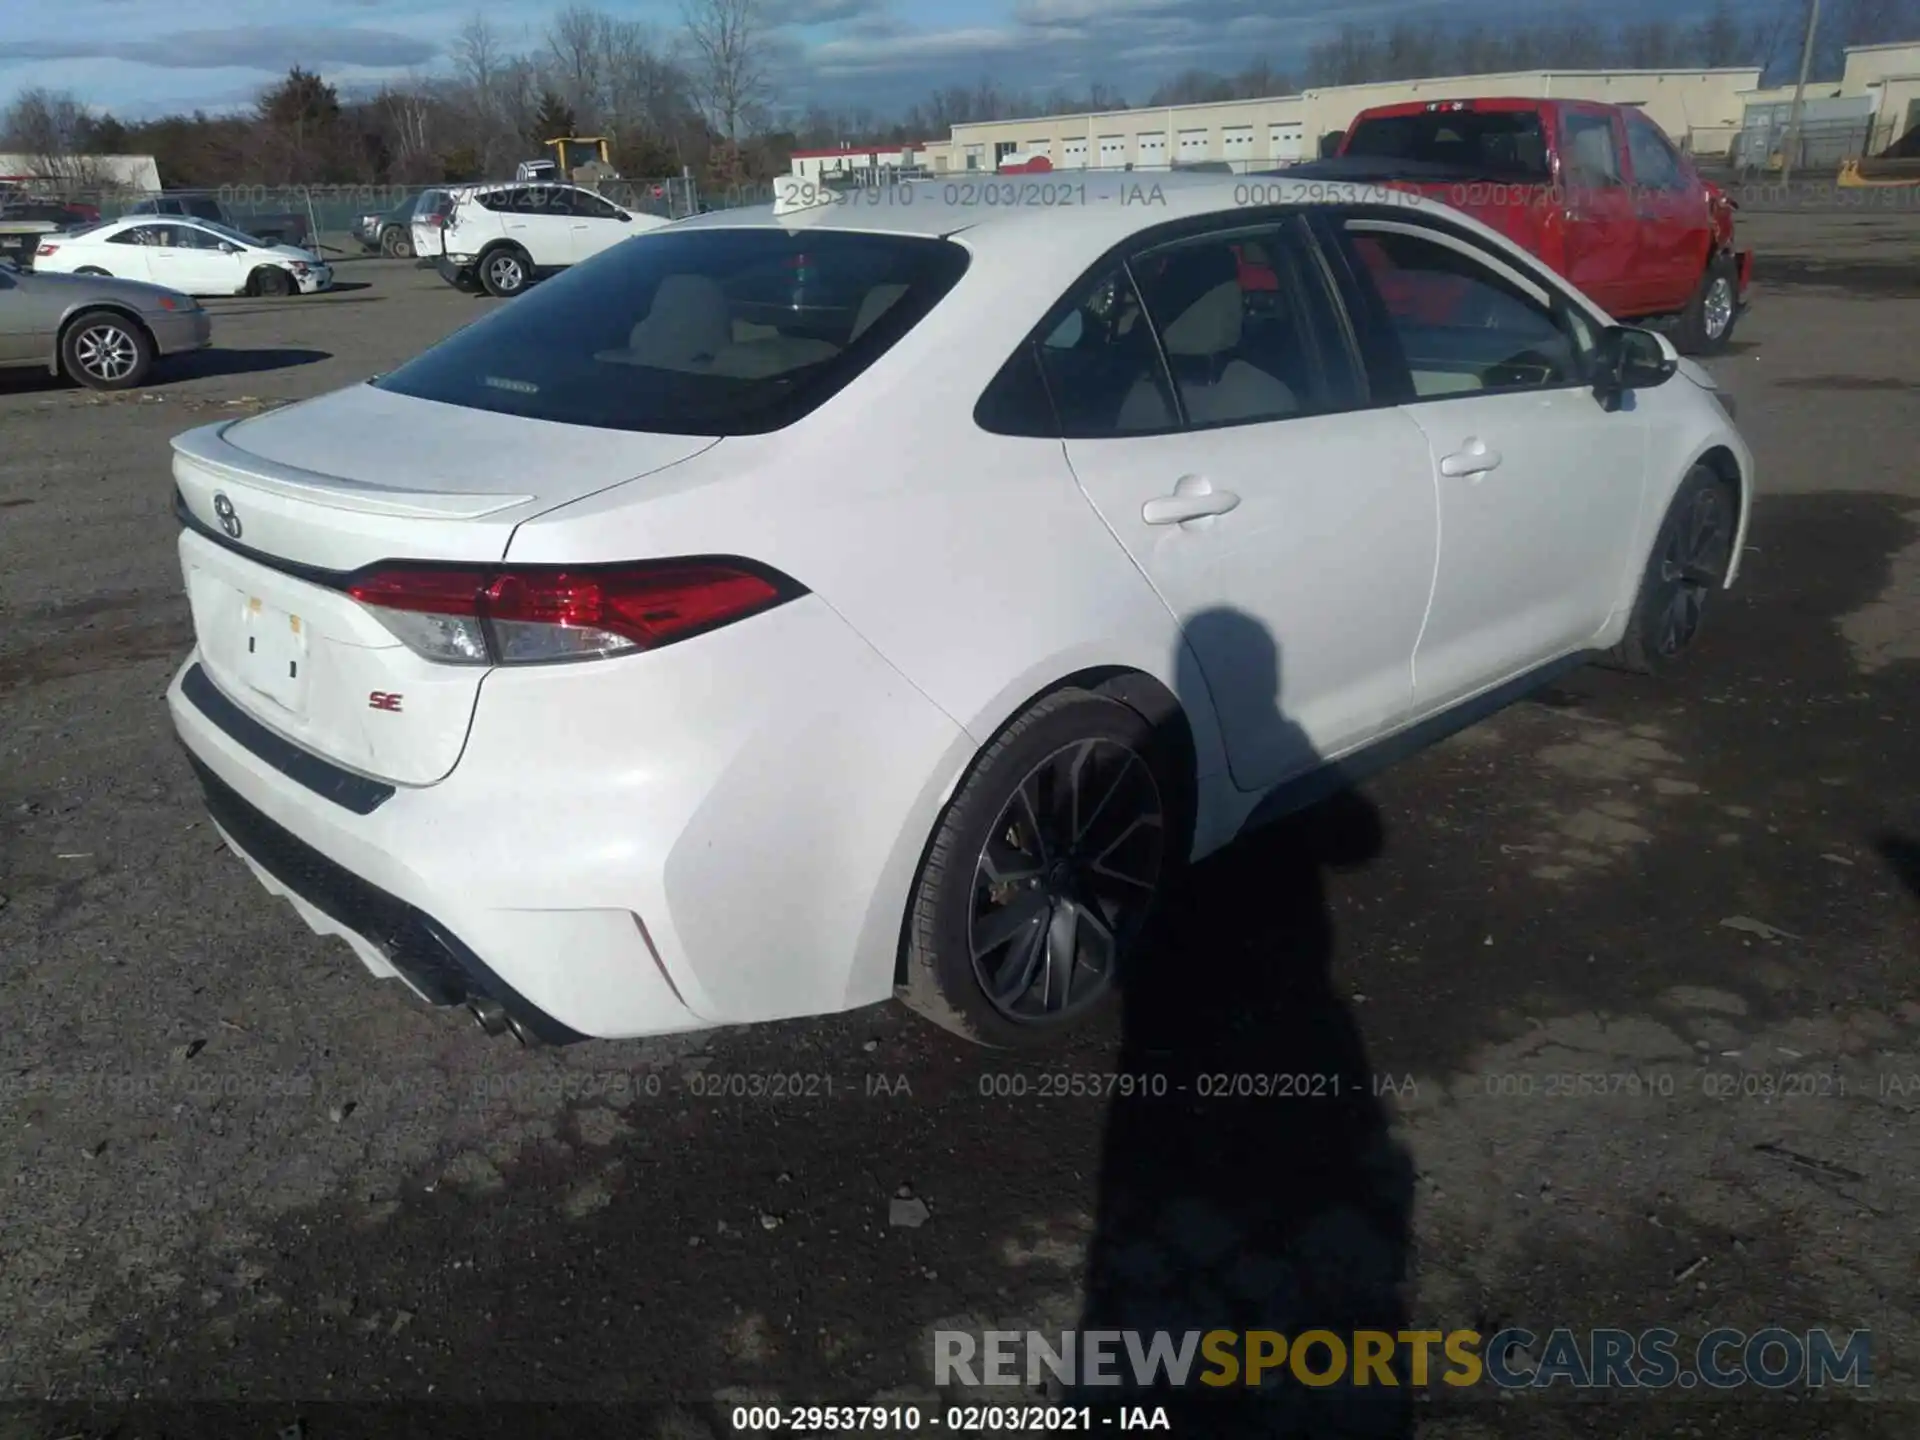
[(235, 1169)]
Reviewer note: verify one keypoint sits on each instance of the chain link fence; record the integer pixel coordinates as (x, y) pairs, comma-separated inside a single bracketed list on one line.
[(1819, 148)]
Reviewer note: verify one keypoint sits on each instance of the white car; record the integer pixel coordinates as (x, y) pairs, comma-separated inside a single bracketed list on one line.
[(196, 257), (812, 605), (504, 237)]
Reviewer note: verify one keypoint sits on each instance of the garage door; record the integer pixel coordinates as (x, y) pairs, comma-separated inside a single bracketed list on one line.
[(1074, 154), (1193, 144), (1236, 142), (1113, 151), (1152, 148), (1286, 143), (1042, 146)]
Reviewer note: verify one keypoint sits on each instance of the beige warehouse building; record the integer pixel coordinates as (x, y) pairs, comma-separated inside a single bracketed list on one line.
[(1702, 110), (1281, 129)]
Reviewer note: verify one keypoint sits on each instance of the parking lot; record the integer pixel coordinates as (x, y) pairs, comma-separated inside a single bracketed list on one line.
[(1623, 983)]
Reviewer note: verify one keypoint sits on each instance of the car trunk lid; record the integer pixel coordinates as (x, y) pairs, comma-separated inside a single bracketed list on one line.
[(282, 508)]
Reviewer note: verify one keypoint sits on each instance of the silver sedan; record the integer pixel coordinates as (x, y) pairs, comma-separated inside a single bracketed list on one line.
[(104, 333)]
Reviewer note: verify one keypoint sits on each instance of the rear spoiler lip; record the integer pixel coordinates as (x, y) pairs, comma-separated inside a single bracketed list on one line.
[(208, 448)]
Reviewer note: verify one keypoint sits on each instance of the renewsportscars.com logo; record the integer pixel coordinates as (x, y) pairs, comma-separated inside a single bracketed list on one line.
[(1510, 1359)]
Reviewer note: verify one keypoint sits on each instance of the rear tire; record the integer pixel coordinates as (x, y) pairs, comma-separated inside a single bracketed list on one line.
[(1687, 567), (1706, 325), (1020, 930), (505, 272), (272, 281), (94, 270), (397, 242), (105, 350)]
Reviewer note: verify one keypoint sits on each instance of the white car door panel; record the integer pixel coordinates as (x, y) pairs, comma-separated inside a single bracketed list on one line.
[(544, 227), (1539, 484), (1303, 599), (126, 255), (1296, 548), (201, 266), (1529, 562), (596, 225)]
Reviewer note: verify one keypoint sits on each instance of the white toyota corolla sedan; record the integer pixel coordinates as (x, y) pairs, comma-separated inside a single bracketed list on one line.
[(885, 593)]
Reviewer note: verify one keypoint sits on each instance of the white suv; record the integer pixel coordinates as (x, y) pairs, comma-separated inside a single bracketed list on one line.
[(503, 237)]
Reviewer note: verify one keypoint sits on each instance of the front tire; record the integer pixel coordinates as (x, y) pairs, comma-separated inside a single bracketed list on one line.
[(272, 282), (1045, 873), (1689, 564), (1706, 326), (505, 272), (94, 270), (104, 350)]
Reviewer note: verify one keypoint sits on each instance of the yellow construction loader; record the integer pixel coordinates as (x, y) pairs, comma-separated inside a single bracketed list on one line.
[(579, 159)]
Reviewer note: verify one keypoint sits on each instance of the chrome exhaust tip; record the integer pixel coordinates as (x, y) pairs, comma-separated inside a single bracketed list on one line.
[(490, 1016), (520, 1032)]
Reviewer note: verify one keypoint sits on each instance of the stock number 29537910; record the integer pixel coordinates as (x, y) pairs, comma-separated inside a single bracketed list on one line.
[(910, 1419)]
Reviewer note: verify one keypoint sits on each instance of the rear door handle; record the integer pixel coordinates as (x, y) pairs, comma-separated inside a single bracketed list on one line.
[(1193, 498), (1473, 458)]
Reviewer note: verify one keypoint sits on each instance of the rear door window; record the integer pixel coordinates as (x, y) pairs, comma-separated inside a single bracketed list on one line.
[(700, 332), (1103, 366)]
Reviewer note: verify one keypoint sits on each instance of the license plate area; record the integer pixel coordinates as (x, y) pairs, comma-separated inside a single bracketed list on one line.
[(272, 656)]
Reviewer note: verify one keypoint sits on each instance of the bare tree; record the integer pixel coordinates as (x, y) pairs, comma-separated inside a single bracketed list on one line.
[(728, 39), (407, 114), (51, 128), (1716, 40), (1650, 45), (1351, 57), (578, 41), (1193, 87), (1768, 40), (1260, 79), (478, 57), (1410, 52)]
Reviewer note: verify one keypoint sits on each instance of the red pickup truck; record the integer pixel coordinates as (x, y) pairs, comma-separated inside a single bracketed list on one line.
[(1596, 191)]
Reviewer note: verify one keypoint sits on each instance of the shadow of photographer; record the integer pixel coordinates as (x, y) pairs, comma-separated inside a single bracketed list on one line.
[(1260, 1187)]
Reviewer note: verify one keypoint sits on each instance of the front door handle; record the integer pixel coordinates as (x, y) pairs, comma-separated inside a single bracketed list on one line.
[(1473, 458), (1193, 498)]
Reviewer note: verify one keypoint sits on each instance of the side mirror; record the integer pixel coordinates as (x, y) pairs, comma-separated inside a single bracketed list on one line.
[(227, 247), (1632, 359)]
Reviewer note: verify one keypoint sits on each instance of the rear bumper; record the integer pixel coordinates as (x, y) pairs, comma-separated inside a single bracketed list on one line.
[(173, 334), (433, 961), (717, 833)]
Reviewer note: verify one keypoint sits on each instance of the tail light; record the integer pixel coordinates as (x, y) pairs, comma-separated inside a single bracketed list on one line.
[(46, 250), (527, 615)]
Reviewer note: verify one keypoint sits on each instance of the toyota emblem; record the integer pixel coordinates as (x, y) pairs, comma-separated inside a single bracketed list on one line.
[(229, 521)]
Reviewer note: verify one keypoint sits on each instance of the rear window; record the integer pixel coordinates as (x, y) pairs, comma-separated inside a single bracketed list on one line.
[(692, 332), (1494, 144)]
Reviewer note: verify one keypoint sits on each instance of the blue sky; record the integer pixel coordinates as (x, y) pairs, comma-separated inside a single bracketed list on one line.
[(140, 58)]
